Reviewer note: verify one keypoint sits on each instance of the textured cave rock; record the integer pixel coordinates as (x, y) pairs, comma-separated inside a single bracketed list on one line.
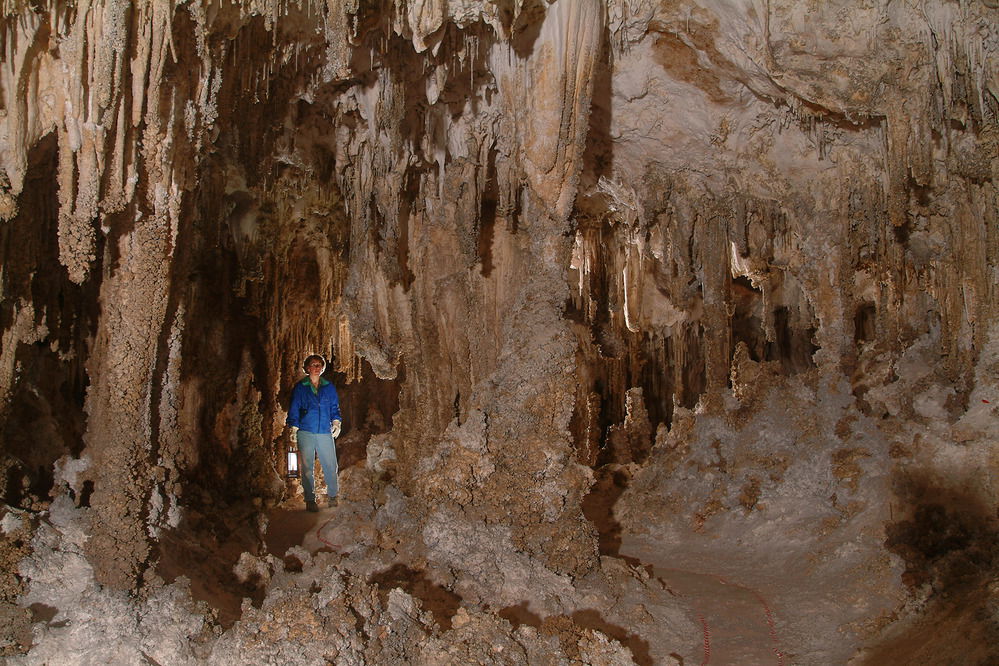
[(623, 298)]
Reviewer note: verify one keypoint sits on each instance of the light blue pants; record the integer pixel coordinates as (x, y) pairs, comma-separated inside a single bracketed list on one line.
[(310, 444)]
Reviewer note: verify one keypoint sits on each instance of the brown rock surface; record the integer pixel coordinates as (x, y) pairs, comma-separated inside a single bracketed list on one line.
[(621, 296)]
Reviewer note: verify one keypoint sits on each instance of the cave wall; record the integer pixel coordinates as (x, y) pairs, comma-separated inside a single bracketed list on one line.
[(548, 227)]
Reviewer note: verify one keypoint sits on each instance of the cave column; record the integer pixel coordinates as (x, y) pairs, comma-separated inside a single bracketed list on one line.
[(120, 427), (136, 330), (829, 282)]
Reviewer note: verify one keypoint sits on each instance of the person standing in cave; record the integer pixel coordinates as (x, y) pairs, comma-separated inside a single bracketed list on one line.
[(314, 417)]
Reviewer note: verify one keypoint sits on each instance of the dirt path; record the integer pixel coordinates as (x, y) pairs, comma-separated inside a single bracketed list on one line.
[(737, 623), (292, 526)]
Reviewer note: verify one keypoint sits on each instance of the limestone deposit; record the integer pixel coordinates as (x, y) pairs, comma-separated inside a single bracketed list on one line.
[(665, 330)]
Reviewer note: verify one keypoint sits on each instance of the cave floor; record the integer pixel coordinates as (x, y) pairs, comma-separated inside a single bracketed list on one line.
[(737, 624), (752, 603), (291, 525)]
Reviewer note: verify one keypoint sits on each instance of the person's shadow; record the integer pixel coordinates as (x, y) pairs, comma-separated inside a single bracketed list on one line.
[(288, 527)]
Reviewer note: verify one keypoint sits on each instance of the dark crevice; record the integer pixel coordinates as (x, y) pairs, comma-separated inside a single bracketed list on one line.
[(598, 506), (747, 321), (793, 347), (368, 405), (44, 418), (599, 156), (591, 619), (441, 602), (487, 216), (406, 205), (526, 27), (85, 493), (864, 320)]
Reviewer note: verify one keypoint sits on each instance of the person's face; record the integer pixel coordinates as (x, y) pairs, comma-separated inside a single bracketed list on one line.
[(315, 368)]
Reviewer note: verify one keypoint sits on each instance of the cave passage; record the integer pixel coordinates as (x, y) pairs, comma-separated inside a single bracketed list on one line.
[(664, 333)]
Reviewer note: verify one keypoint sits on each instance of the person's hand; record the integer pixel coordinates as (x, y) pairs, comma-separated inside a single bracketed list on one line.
[(335, 430), (294, 434)]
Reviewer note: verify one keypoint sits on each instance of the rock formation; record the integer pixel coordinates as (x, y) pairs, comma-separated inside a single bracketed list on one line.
[(624, 297)]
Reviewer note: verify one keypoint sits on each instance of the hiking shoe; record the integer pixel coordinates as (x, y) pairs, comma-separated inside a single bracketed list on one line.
[(311, 506), (331, 501)]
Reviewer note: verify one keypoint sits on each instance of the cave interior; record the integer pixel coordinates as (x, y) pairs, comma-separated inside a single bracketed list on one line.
[(664, 331)]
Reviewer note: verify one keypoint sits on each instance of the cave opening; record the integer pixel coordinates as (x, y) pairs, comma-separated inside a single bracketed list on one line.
[(43, 419), (747, 319), (864, 322), (487, 216), (368, 404), (794, 344)]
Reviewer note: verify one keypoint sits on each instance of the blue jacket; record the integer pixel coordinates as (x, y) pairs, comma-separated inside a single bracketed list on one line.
[(314, 412)]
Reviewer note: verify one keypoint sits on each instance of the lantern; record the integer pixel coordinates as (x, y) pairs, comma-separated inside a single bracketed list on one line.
[(292, 460)]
